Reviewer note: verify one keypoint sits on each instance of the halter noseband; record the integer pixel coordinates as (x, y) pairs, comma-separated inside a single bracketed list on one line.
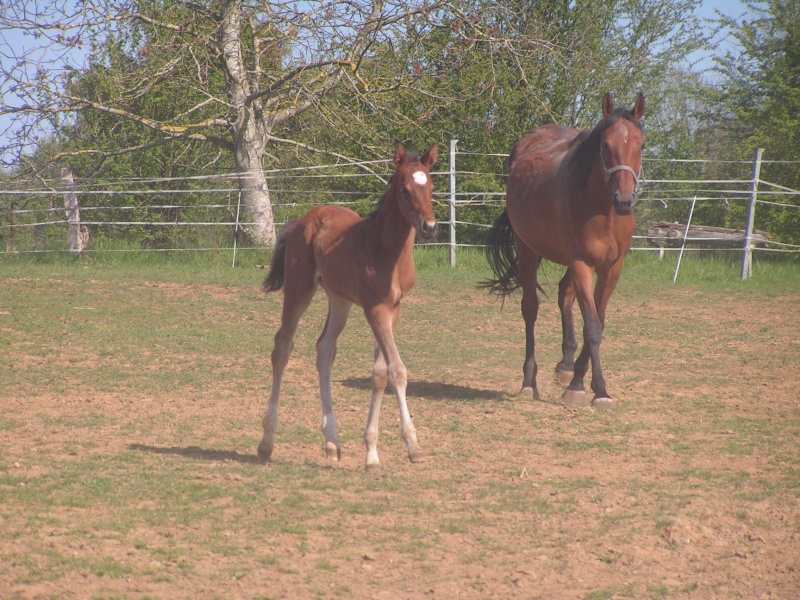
[(608, 172)]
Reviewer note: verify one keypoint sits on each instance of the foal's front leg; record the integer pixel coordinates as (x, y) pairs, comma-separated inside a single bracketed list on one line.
[(383, 323), (380, 377), (338, 311)]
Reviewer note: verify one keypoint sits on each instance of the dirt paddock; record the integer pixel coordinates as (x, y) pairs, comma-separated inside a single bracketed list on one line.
[(130, 414)]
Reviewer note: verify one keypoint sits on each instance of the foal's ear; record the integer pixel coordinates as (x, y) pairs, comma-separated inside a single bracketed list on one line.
[(430, 156), (608, 105), (399, 155), (638, 109)]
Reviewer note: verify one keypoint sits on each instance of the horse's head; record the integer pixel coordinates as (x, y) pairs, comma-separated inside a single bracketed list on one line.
[(621, 153), (412, 176)]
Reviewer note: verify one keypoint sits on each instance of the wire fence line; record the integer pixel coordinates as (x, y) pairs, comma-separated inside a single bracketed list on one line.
[(125, 214)]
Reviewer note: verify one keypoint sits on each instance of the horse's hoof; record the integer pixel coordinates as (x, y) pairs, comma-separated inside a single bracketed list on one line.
[(602, 403), (264, 454), (574, 397), (373, 467), (564, 378), (417, 456), (332, 452), (529, 392)]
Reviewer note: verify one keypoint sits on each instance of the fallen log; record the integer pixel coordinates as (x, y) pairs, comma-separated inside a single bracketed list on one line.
[(664, 234)]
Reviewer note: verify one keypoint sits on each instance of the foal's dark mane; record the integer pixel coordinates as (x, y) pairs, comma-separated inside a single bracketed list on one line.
[(585, 148), (412, 156)]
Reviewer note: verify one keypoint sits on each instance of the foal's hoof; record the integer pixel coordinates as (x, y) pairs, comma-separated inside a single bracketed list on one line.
[(564, 378), (373, 467), (529, 392), (332, 452), (264, 453), (603, 403), (574, 397), (417, 456)]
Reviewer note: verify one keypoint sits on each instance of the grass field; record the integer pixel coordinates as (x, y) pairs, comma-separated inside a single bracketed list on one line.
[(131, 395)]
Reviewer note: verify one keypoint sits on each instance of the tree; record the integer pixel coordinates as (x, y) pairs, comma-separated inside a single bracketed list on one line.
[(758, 101), (240, 70)]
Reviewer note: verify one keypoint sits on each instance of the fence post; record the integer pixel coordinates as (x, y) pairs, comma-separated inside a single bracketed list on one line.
[(747, 255), (453, 202), (236, 229), (77, 237), (685, 235)]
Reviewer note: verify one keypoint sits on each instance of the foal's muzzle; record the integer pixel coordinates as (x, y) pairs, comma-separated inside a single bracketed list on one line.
[(428, 229)]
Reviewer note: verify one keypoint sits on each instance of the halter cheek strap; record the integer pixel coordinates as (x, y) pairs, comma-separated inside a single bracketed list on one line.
[(608, 172)]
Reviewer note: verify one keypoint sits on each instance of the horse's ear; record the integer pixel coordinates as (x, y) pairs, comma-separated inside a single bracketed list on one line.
[(429, 158), (638, 109), (399, 155), (608, 105)]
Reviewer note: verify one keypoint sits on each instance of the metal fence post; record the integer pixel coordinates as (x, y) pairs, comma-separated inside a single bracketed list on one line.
[(747, 255), (453, 202)]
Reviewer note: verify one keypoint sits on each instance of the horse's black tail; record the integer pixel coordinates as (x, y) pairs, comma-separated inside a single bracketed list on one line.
[(277, 268), (501, 252)]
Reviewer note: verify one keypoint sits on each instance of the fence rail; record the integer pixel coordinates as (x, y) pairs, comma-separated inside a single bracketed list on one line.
[(470, 193)]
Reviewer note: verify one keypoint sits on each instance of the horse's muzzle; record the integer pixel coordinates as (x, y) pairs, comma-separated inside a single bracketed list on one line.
[(624, 205), (428, 229)]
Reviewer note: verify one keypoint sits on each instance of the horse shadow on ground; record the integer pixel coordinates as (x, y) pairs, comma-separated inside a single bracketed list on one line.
[(430, 390), (441, 392), (198, 453)]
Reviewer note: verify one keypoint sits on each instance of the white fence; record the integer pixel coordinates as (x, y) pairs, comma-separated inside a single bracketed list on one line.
[(158, 214)]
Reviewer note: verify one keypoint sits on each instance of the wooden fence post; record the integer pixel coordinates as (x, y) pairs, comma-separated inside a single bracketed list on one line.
[(78, 237), (747, 255)]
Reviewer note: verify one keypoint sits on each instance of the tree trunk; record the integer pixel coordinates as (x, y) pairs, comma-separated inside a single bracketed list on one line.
[(253, 186), (250, 132)]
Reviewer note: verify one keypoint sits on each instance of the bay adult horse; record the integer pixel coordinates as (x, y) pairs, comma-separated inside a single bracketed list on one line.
[(367, 262), (570, 199)]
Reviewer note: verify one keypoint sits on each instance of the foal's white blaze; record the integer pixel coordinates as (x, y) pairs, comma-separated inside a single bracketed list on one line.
[(420, 178)]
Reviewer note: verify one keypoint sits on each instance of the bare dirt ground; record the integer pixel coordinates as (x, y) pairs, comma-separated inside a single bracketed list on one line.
[(127, 469)]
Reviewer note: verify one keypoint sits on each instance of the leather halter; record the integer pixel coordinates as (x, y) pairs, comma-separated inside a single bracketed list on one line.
[(608, 172)]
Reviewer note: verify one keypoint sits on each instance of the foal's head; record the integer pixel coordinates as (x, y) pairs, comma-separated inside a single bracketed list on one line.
[(621, 144), (414, 190)]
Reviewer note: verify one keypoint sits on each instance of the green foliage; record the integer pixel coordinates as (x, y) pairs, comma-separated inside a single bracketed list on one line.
[(758, 104)]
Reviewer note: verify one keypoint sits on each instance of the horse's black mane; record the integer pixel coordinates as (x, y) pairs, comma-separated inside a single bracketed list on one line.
[(586, 146)]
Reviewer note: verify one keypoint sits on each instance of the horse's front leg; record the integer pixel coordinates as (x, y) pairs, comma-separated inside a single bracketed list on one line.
[(383, 320), (606, 283), (338, 311), (565, 369), (575, 393)]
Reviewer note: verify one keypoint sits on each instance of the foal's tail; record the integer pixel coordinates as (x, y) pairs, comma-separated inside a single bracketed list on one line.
[(501, 252), (277, 268)]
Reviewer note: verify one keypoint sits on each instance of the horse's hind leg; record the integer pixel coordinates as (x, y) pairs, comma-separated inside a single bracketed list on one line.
[(297, 297), (528, 267), (338, 311), (565, 369)]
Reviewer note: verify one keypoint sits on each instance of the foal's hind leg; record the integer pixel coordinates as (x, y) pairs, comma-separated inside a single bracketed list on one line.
[(528, 267), (338, 311), (295, 301), (565, 369)]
